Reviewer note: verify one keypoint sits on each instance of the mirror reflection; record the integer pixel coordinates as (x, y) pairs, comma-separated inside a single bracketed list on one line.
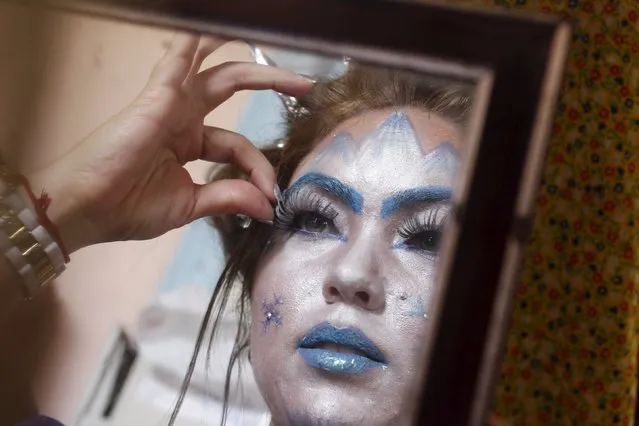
[(338, 286)]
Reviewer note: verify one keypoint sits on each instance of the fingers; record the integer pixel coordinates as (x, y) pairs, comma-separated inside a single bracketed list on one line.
[(231, 197), (175, 65), (184, 58), (224, 146), (207, 46), (219, 83)]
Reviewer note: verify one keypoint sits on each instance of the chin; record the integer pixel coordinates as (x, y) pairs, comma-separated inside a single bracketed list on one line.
[(338, 403), (317, 414)]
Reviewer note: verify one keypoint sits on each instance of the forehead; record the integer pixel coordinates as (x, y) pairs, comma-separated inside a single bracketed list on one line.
[(387, 150)]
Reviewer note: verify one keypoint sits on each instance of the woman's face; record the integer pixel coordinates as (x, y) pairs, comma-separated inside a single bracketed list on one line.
[(341, 299)]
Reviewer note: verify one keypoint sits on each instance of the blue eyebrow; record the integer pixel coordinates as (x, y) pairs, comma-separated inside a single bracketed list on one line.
[(410, 197), (349, 196)]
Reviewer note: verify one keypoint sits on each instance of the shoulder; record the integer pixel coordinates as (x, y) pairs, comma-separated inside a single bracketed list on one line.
[(41, 421)]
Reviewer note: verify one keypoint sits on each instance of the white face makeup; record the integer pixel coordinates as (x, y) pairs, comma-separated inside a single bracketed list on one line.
[(340, 301)]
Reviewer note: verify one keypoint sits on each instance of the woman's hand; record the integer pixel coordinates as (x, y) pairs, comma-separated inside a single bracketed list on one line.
[(127, 180)]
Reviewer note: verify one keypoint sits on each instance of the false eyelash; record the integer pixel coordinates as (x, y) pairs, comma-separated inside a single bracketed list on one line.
[(416, 225), (298, 202)]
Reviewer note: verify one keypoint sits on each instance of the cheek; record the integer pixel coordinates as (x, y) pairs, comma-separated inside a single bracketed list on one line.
[(412, 280), (409, 289), (295, 268), (288, 283)]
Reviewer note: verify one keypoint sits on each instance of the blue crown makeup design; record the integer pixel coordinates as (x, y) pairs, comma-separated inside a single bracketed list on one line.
[(394, 138), (395, 143)]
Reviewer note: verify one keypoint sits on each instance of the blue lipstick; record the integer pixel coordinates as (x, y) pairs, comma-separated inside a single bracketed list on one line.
[(322, 346)]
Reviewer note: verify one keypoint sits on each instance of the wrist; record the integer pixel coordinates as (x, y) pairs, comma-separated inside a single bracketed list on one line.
[(65, 210), (28, 240)]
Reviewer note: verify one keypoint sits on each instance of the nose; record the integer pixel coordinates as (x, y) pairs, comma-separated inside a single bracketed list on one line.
[(356, 279)]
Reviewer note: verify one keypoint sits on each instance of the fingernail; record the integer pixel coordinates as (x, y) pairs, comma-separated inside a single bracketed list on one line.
[(244, 221), (309, 79)]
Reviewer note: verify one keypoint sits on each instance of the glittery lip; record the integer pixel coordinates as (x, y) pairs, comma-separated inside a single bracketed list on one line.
[(362, 353)]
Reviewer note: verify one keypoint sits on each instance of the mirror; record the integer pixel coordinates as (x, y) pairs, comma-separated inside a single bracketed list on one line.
[(343, 308)]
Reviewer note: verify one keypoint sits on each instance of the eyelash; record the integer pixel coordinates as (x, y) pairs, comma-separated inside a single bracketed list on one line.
[(296, 211), (418, 230), (313, 216)]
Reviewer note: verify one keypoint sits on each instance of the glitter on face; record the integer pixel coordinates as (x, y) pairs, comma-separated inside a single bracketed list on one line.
[(394, 139), (391, 146), (342, 146), (416, 308), (336, 362), (414, 196), (400, 168), (271, 313), (346, 194)]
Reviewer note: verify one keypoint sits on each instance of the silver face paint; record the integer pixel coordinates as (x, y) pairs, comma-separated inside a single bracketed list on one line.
[(390, 147), (355, 262)]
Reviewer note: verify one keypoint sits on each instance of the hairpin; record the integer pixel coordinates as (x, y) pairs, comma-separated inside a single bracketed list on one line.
[(290, 102)]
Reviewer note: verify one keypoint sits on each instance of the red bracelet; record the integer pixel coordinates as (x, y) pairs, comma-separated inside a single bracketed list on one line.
[(41, 205)]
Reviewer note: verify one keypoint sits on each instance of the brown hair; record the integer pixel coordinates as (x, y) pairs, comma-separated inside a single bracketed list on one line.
[(331, 102)]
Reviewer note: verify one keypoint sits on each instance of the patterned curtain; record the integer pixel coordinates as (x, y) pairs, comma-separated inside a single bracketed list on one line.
[(572, 346)]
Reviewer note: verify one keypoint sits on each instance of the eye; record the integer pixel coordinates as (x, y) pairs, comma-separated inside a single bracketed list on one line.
[(425, 240), (423, 233), (314, 223)]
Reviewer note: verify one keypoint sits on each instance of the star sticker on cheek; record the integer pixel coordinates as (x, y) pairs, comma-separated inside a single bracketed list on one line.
[(271, 313)]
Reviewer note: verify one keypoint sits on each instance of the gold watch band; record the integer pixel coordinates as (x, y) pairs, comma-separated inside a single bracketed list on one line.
[(25, 251)]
